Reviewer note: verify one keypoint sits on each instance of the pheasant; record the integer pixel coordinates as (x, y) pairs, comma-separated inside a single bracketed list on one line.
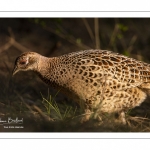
[(98, 80)]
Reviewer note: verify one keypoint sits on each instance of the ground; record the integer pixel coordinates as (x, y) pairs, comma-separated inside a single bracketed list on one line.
[(26, 96)]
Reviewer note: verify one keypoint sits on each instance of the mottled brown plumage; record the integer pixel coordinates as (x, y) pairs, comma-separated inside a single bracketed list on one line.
[(96, 79)]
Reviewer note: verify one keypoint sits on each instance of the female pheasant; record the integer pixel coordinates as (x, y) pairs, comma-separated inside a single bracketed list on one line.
[(96, 79)]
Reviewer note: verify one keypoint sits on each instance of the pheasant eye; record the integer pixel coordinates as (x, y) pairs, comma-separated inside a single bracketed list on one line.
[(22, 62)]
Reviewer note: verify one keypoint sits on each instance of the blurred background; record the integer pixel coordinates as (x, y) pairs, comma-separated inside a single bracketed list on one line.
[(43, 108)]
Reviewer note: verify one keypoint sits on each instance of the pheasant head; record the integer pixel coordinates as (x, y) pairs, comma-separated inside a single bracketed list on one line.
[(26, 61)]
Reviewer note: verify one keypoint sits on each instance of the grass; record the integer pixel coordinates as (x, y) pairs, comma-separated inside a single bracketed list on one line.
[(55, 110)]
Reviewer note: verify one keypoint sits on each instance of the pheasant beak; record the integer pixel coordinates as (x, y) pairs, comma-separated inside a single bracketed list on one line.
[(15, 71)]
